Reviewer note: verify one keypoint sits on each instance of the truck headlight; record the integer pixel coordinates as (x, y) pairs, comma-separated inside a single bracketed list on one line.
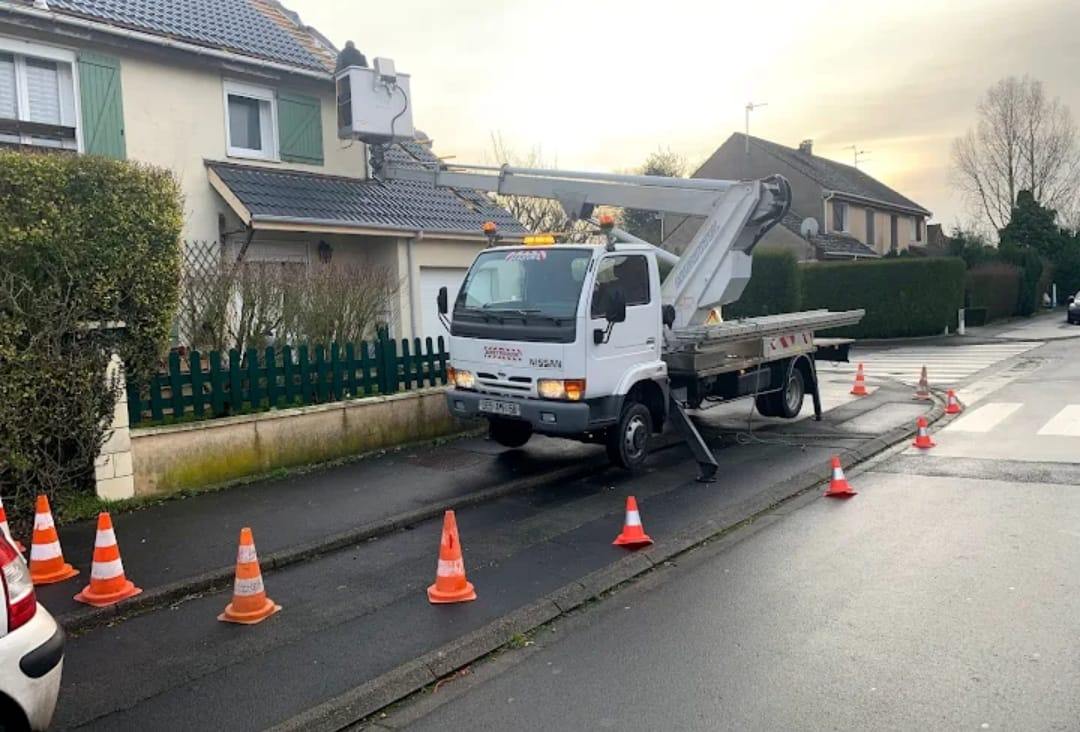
[(460, 378), (569, 389)]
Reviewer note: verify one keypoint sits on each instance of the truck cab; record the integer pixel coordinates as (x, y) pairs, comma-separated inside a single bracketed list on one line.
[(562, 340)]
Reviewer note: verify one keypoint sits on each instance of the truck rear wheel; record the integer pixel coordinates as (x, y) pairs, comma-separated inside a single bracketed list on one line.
[(628, 440), (788, 401), (509, 432)]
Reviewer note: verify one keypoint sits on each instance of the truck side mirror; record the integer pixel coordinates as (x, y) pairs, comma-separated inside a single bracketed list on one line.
[(444, 301), (667, 315), (616, 308)]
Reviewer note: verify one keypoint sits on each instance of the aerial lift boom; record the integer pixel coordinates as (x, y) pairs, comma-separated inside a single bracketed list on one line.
[(715, 267)]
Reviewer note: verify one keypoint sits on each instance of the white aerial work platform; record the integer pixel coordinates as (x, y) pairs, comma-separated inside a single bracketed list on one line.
[(607, 342)]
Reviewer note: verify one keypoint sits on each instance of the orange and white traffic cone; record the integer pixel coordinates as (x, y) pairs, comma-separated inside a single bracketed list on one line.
[(838, 486), (952, 405), (108, 585), (451, 584), (923, 389), (250, 604), (633, 533), (922, 437), (859, 389), (7, 530), (47, 563)]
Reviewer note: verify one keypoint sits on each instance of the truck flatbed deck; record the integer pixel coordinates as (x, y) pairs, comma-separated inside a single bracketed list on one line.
[(739, 344)]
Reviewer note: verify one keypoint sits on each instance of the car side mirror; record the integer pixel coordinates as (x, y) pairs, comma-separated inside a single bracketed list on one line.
[(616, 308), (444, 301), (667, 315)]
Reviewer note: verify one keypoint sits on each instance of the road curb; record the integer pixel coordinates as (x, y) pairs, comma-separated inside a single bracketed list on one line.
[(368, 698)]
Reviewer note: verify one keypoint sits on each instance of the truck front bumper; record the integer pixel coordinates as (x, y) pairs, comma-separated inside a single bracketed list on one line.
[(546, 417)]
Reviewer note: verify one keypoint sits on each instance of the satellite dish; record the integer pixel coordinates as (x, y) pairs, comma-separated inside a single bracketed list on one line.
[(808, 227)]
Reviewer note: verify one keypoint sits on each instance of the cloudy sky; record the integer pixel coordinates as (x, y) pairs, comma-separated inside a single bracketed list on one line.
[(598, 84)]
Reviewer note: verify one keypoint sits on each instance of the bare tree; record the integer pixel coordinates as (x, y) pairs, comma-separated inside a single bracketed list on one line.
[(538, 215), (1023, 140)]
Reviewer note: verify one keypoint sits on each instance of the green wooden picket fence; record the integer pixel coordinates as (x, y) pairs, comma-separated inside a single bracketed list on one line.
[(217, 385)]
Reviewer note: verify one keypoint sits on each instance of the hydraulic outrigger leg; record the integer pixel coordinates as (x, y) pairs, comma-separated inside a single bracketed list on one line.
[(702, 454)]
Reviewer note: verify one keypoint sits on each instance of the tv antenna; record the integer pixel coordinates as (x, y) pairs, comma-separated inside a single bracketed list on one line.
[(750, 107), (858, 154)]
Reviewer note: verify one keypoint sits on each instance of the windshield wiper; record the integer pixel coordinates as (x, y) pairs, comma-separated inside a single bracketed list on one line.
[(521, 312)]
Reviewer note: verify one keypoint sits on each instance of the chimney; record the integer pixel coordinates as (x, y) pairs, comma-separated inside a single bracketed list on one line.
[(806, 147)]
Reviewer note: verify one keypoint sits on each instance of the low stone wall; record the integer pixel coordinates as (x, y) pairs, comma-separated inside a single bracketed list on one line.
[(171, 458)]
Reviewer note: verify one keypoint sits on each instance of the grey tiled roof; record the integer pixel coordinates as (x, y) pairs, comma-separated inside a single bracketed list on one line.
[(239, 26), (335, 200), (834, 176), (829, 245)]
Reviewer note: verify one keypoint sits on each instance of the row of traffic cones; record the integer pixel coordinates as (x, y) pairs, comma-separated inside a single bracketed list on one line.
[(451, 584), (108, 584), (922, 390), (251, 605)]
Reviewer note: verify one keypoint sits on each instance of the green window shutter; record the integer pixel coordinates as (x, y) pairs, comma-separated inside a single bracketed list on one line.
[(102, 108), (300, 128)]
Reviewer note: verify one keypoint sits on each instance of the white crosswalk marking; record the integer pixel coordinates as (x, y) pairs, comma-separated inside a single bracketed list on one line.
[(1065, 423), (945, 365), (985, 418)]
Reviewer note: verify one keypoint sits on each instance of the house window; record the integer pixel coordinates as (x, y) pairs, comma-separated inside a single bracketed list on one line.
[(37, 96), (839, 216), (250, 121), (869, 227), (918, 228), (894, 237)]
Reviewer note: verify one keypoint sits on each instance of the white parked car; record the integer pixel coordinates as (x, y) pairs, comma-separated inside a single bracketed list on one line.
[(31, 649)]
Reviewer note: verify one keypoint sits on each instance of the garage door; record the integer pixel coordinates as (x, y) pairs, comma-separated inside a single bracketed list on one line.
[(431, 279)]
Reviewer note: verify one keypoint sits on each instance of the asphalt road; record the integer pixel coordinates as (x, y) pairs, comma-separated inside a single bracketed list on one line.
[(944, 596)]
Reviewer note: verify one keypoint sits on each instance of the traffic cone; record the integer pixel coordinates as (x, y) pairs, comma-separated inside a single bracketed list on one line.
[(450, 582), (250, 604), (7, 531), (952, 405), (922, 438), (838, 486), (860, 383), (633, 533), (108, 585), (47, 563), (923, 390)]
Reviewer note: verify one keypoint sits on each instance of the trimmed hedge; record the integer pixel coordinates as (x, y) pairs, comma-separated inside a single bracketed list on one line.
[(903, 296), (82, 240), (774, 287), (994, 286)]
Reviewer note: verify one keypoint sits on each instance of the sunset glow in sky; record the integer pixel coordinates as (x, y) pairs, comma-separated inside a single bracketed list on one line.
[(598, 84)]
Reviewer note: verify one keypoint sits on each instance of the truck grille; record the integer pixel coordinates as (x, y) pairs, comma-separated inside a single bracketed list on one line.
[(512, 383)]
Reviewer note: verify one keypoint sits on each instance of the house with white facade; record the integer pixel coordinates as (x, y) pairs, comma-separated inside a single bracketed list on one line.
[(237, 98)]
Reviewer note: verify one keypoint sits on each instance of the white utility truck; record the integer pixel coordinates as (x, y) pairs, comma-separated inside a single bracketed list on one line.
[(605, 343)]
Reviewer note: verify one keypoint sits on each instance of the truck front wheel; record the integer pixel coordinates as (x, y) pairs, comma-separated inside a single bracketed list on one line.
[(509, 432), (628, 441)]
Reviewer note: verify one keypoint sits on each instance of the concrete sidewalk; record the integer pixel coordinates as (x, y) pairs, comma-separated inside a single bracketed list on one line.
[(187, 545)]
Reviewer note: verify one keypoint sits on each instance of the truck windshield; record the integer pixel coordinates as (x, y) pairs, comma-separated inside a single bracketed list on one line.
[(522, 294)]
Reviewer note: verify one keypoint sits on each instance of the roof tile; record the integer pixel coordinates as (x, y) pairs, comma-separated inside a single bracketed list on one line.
[(241, 26), (834, 176), (403, 205)]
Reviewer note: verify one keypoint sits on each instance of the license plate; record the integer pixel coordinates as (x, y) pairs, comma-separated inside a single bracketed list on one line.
[(493, 406)]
